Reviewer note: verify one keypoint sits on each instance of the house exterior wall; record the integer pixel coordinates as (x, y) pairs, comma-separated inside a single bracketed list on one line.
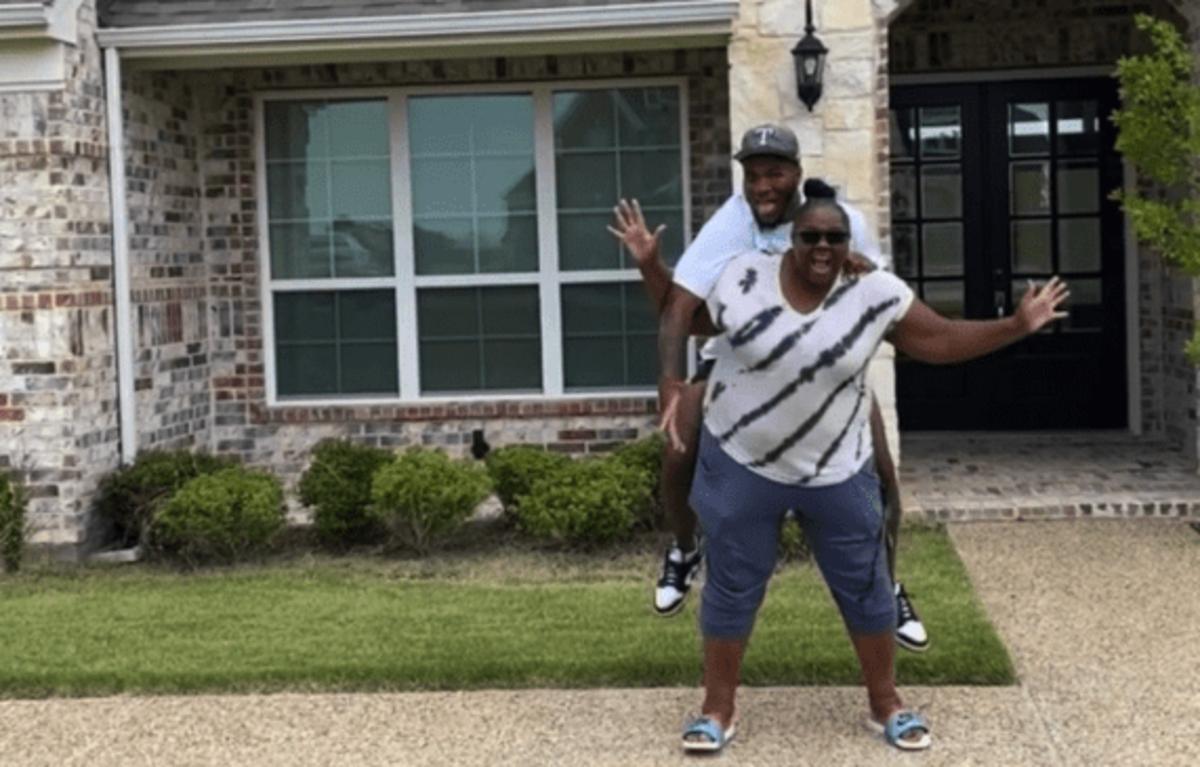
[(58, 419), (282, 437), (168, 273)]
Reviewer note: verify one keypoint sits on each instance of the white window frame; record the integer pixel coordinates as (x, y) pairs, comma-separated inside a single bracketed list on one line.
[(549, 279)]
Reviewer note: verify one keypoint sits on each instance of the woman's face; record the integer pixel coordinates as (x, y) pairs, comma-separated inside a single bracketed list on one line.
[(821, 242)]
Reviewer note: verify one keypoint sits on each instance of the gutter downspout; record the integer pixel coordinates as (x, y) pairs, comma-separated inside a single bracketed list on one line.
[(123, 321)]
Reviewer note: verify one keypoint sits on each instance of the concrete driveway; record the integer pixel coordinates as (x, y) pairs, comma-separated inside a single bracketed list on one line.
[(1102, 618)]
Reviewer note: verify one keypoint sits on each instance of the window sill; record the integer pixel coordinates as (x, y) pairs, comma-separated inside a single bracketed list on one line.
[(598, 404)]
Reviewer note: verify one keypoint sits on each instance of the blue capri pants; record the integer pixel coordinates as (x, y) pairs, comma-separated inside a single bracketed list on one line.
[(741, 513)]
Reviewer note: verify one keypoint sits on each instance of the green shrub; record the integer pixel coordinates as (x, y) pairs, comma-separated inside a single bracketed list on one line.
[(645, 455), (515, 469), (588, 503), (793, 546), (338, 488), (223, 516), (129, 496), (12, 524), (423, 497)]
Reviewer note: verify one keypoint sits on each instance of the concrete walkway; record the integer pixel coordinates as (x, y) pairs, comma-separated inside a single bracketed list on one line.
[(1102, 618)]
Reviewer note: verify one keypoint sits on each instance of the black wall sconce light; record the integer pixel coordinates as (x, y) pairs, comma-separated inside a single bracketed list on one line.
[(809, 55)]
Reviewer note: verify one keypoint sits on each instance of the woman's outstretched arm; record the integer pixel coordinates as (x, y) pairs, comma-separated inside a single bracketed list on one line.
[(929, 337)]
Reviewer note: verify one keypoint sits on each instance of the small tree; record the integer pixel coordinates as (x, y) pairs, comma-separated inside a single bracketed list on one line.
[(1158, 128)]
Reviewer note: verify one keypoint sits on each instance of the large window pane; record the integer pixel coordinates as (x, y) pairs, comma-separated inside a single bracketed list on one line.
[(1078, 127), (611, 144), (1031, 247), (476, 339), (942, 249), (473, 184), (1030, 188), (904, 249), (1028, 129), (941, 191), (941, 132), (609, 336), (945, 298), (1078, 186), (904, 192), (328, 167), (335, 342), (1079, 245)]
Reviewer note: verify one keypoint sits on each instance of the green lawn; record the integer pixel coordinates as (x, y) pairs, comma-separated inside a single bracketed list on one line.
[(500, 617)]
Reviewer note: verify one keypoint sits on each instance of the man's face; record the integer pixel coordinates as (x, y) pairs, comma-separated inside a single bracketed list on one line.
[(769, 185)]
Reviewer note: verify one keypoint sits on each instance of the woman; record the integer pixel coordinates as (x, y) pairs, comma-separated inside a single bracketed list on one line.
[(785, 427)]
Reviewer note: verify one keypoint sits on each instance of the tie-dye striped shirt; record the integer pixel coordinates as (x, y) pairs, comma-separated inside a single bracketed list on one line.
[(788, 397)]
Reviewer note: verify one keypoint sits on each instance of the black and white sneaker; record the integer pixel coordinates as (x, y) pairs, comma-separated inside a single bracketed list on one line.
[(672, 588), (910, 632)]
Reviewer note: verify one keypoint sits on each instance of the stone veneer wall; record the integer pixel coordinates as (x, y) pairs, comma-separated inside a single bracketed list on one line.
[(168, 273), (973, 35), (282, 437), (58, 420)]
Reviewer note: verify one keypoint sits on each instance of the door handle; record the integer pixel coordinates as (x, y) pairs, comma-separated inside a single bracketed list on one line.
[(1000, 299)]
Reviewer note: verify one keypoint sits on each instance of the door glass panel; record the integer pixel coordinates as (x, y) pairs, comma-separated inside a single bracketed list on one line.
[(943, 249), (1079, 245), (1078, 127), (1028, 129), (904, 249), (941, 191), (1078, 186), (945, 298), (941, 132), (1084, 308), (1030, 188), (904, 192), (1031, 247), (903, 134)]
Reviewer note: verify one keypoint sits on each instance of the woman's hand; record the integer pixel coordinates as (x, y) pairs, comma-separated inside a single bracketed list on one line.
[(630, 229), (856, 263), (1040, 305)]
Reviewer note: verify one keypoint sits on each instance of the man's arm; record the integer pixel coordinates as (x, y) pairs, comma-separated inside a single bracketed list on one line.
[(629, 227), (673, 327)]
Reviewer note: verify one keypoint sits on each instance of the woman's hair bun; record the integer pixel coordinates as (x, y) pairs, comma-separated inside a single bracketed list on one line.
[(816, 188)]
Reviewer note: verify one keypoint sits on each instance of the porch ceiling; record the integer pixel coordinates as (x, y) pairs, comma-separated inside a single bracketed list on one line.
[(209, 38)]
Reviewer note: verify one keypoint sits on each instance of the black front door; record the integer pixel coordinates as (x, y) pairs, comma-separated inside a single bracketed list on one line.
[(993, 186)]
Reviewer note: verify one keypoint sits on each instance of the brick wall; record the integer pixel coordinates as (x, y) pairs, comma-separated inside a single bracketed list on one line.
[(58, 430), (281, 438), (168, 273), (948, 35)]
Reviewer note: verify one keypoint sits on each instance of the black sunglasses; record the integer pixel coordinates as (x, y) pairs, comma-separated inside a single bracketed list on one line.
[(812, 237)]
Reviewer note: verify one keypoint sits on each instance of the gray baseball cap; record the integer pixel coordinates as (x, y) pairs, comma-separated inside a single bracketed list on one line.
[(769, 141)]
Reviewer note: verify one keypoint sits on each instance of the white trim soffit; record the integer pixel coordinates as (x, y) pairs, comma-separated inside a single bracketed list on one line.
[(657, 19), (40, 21)]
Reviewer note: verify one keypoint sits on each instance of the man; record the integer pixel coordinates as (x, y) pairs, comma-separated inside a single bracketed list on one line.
[(757, 218)]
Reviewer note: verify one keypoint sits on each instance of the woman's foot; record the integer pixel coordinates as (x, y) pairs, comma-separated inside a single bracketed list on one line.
[(904, 729), (709, 732)]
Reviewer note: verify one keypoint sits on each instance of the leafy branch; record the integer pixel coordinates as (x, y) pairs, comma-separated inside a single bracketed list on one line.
[(1158, 129)]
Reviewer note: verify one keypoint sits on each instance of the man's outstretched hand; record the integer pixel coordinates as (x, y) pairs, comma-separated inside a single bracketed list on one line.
[(629, 227)]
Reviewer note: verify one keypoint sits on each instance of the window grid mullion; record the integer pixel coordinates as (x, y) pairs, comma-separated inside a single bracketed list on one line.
[(549, 278), (407, 344)]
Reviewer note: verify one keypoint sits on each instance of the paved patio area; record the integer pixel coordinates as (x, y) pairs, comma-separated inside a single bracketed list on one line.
[(990, 476), (1101, 617)]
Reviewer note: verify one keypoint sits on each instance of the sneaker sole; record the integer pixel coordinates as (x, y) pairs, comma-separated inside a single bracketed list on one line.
[(669, 611), (911, 646)]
